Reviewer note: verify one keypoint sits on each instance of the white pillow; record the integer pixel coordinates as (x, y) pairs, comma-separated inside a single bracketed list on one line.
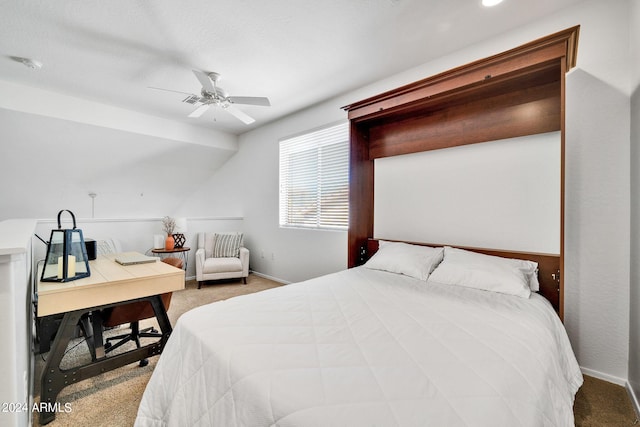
[(534, 285), (490, 273), (403, 258)]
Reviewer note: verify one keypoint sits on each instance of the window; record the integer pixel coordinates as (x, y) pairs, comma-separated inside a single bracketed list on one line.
[(314, 179)]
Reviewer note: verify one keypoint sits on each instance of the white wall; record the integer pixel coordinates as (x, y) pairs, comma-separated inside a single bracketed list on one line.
[(597, 201), (597, 194), (50, 162), (634, 324), (250, 180)]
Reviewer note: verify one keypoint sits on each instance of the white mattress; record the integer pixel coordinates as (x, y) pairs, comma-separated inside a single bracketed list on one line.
[(365, 348)]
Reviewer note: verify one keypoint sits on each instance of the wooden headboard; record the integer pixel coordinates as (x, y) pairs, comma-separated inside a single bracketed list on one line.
[(515, 93), (548, 266)]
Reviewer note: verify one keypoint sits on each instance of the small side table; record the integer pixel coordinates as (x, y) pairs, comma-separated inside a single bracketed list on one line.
[(183, 252)]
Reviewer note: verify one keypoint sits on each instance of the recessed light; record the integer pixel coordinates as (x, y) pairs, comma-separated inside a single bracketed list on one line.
[(489, 3)]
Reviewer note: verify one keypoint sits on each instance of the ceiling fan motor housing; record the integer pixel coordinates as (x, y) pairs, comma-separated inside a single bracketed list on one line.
[(218, 95)]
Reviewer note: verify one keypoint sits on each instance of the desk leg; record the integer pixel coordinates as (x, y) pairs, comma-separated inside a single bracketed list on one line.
[(162, 317), (98, 339), (46, 328), (87, 331), (54, 379)]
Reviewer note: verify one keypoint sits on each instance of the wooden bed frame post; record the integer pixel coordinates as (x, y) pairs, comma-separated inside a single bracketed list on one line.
[(566, 64), (478, 102), (360, 197)]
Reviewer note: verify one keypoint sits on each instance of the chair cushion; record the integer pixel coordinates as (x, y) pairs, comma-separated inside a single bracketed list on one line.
[(227, 245), (221, 265), (209, 240)]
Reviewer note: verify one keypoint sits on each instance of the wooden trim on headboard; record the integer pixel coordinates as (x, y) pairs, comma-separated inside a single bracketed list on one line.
[(515, 93), (548, 265)]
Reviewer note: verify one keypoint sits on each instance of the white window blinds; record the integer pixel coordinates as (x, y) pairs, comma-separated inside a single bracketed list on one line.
[(314, 179)]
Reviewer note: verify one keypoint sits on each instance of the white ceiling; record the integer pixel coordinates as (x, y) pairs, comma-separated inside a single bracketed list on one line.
[(295, 52)]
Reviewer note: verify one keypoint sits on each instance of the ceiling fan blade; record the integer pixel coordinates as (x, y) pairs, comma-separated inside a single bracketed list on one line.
[(170, 90), (200, 110), (241, 115), (250, 100), (205, 81)]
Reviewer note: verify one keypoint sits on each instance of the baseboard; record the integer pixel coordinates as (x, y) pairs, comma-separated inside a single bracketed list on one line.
[(634, 400), (605, 377), (266, 276), (618, 381)]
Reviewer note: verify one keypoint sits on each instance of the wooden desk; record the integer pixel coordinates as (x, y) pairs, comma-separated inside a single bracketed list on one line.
[(109, 282), (109, 285)]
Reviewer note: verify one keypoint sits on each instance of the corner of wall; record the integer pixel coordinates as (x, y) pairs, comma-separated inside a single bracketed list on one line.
[(633, 384), (634, 399)]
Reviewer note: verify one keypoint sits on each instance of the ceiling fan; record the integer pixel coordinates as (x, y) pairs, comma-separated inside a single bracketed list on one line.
[(211, 94)]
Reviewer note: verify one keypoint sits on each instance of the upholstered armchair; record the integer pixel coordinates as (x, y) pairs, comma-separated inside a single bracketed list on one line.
[(221, 256)]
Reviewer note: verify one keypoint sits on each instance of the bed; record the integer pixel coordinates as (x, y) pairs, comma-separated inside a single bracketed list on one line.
[(401, 338), (366, 347)]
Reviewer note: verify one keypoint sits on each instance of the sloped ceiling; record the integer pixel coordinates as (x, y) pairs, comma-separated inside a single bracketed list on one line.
[(295, 52)]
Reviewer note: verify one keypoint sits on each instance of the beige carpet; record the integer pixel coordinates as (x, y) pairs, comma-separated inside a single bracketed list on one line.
[(112, 399), (599, 403)]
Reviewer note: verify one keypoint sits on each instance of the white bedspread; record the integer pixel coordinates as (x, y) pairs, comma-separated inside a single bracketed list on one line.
[(365, 348)]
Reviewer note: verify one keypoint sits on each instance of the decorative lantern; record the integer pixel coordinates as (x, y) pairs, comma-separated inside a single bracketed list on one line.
[(66, 255)]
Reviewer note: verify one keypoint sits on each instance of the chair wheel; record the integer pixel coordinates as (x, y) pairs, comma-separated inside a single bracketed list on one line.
[(107, 345), (143, 363)]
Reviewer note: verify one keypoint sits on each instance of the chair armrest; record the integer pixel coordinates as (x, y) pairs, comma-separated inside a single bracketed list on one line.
[(199, 263), (244, 260)]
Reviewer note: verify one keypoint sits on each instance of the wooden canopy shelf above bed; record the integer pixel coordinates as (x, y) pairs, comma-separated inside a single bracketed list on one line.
[(515, 93)]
